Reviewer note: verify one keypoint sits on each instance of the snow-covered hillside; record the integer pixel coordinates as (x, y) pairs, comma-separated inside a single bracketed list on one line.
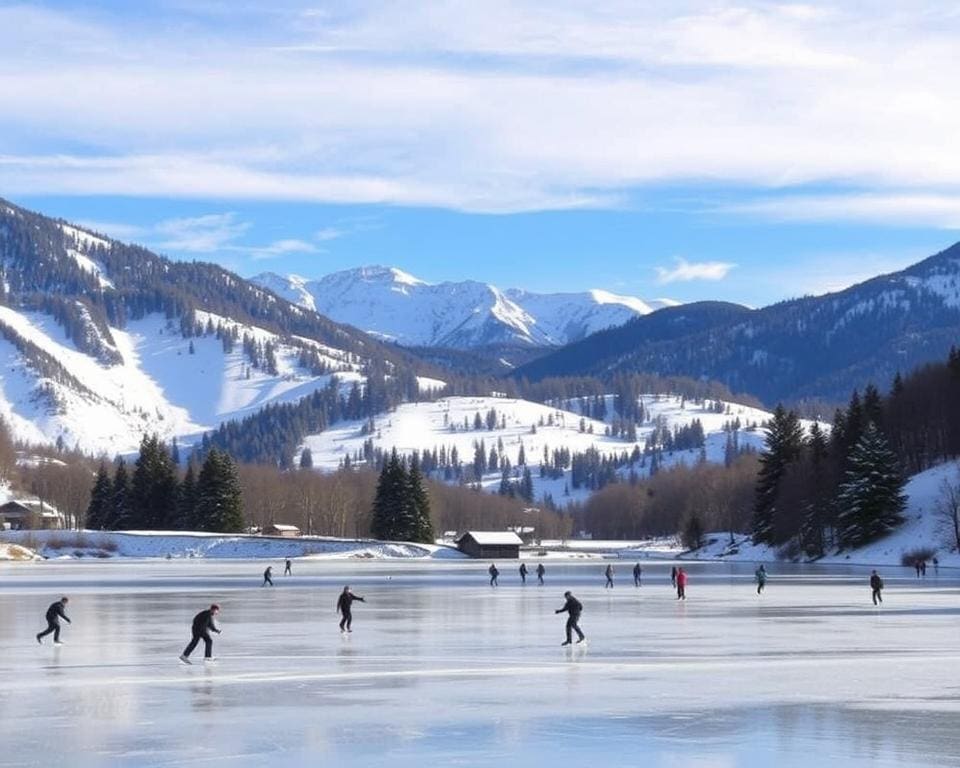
[(392, 304), (165, 383), (441, 424)]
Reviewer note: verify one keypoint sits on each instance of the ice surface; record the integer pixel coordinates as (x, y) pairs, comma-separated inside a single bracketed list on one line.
[(443, 670)]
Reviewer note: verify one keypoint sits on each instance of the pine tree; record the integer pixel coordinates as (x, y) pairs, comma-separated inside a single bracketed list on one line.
[(219, 504), (420, 504), (783, 445), (392, 517), (306, 459), (187, 502), (871, 499), (120, 518), (100, 509), (154, 487)]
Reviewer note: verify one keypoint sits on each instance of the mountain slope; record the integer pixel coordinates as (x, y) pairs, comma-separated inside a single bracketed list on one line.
[(391, 304), (101, 341), (820, 347)]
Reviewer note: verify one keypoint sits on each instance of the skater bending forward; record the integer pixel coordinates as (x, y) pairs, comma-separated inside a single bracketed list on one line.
[(345, 609), (54, 613), (573, 608), (203, 625)]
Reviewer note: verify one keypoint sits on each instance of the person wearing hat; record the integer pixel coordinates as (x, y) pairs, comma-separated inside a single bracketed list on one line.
[(573, 608), (54, 613), (203, 625)]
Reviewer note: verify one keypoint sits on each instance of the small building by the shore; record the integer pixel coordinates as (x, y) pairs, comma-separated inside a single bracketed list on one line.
[(30, 515), (279, 529), (490, 545)]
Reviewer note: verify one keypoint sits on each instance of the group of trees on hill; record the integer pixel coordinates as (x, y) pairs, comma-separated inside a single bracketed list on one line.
[(401, 508), (816, 491), (153, 496)]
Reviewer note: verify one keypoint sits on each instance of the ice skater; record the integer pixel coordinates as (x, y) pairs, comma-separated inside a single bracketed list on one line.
[(923, 568), (916, 565), (54, 613), (761, 576), (523, 573), (494, 573), (673, 577), (201, 628), (345, 608), (681, 584), (268, 576), (573, 608), (637, 572), (540, 571), (609, 574), (288, 568), (876, 587)]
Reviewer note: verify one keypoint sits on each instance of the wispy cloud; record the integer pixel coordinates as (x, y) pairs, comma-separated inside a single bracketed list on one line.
[(280, 248), (685, 271), (200, 234)]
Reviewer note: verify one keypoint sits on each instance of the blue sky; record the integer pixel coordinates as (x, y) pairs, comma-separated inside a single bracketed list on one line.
[(744, 151)]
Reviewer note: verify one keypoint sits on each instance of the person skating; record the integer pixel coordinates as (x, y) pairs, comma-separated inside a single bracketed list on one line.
[(54, 613), (916, 565), (673, 577), (681, 584), (923, 568), (936, 565), (609, 574), (345, 609), (288, 568), (540, 571), (761, 576), (573, 608), (268, 576), (494, 573), (876, 586), (523, 573), (201, 628), (637, 572)]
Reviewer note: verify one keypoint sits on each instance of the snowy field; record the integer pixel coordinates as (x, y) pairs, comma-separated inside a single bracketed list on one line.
[(443, 670)]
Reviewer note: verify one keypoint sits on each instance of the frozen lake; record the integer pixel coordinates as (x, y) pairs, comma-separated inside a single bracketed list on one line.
[(443, 670)]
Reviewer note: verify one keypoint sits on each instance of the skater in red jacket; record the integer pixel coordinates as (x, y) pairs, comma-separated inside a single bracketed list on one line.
[(681, 584)]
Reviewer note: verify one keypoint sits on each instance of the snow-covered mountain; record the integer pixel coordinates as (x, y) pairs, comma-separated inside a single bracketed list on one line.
[(394, 305)]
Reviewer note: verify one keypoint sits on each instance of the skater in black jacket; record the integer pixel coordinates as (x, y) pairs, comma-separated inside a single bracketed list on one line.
[(876, 586), (54, 613), (344, 603), (288, 568), (203, 625), (494, 573), (268, 576), (573, 608), (609, 574), (540, 571), (523, 572), (637, 572)]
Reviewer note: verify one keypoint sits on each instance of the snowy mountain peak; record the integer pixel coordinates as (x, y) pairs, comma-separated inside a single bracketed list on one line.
[(393, 304)]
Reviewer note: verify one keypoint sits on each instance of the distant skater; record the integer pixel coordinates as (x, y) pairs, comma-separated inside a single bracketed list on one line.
[(494, 573), (673, 577), (288, 568), (540, 571), (936, 565), (573, 608), (345, 608), (201, 628), (761, 576), (268, 576), (681, 584), (609, 574), (876, 586), (916, 565), (923, 568), (54, 613), (523, 573), (637, 572)]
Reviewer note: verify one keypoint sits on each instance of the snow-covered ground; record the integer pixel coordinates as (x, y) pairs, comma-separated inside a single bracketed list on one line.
[(443, 670), (425, 426)]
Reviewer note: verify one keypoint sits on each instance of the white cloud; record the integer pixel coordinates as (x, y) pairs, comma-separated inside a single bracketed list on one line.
[(280, 248), (685, 271), (200, 234), (497, 107), (928, 209)]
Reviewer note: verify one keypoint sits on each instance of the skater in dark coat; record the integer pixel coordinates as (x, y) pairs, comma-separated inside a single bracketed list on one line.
[(494, 573), (540, 571), (761, 576), (609, 574), (268, 576), (201, 628), (681, 584), (345, 609), (523, 572), (573, 608), (637, 571), (54, 613), (673, 577), (288, 568), (876, 587), (923, 568), (916, 565)]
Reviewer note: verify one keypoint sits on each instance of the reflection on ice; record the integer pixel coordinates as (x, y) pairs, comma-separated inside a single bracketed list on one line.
[(441, 669)]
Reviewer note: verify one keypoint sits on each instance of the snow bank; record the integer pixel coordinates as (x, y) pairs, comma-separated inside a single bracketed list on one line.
[(165, 544), (16, 552)]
